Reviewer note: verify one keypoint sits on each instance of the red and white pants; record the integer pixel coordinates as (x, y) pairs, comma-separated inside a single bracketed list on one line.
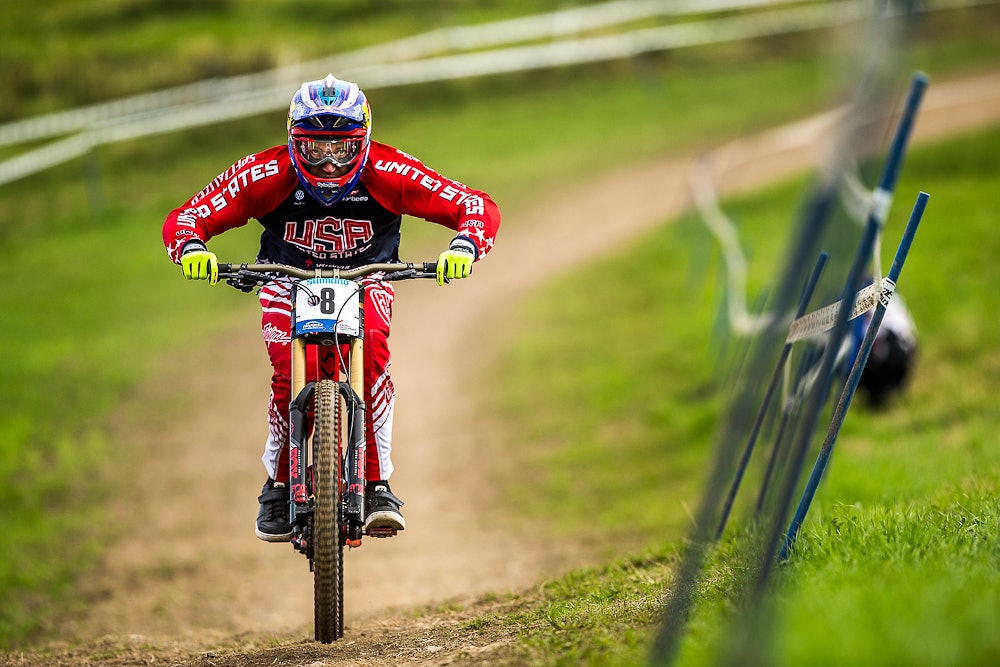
[(380, 396)]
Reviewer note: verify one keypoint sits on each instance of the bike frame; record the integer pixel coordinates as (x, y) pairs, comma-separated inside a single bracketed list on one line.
[(351, 445), (326, 461)]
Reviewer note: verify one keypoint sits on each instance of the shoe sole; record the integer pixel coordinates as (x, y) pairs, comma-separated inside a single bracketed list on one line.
[(268, 537), (385, 520)]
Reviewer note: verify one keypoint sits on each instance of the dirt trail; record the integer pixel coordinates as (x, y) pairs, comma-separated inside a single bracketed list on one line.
[(192, 575)]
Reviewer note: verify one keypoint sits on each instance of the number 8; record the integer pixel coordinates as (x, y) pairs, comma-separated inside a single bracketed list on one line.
[(326, 301)]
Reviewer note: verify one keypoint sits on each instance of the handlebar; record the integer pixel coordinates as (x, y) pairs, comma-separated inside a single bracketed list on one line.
[(239, 275)]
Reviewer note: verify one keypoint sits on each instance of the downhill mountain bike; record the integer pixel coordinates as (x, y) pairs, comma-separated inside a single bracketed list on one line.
[(327, 419)]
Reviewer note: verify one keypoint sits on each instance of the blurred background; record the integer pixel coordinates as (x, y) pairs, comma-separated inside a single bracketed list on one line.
[(113, 112)]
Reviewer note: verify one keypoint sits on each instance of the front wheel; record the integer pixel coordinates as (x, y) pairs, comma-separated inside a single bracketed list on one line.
[(328, 551)]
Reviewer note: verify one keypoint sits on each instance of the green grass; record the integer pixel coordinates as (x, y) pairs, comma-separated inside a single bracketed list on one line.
[(900, 551), (91, 307), (636, 381)]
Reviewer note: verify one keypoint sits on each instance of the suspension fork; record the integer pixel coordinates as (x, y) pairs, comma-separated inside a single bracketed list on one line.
[(352, 393), (298, 458)]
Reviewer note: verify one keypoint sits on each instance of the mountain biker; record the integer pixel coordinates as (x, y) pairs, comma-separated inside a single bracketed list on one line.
[(331, 198)]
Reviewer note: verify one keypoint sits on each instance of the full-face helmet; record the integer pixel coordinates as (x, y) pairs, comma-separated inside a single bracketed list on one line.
[(329, 121)]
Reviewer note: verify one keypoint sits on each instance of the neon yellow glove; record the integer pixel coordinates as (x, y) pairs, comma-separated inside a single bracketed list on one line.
[(200, 264), (456, 261)]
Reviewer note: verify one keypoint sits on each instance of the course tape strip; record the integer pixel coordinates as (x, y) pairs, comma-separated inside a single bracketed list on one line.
[(820, 321)]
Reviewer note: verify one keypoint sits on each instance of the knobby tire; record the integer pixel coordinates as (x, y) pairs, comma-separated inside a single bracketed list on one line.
[(328, 573)]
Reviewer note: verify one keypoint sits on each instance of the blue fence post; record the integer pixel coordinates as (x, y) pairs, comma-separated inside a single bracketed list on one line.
[(854, 378), (881, 199), (807, 293), (807, 362)]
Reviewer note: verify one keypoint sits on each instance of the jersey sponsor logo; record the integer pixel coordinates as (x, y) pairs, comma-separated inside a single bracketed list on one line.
[(330, 236), (381, 299), (273, 334), (182, 236), (224, 176)]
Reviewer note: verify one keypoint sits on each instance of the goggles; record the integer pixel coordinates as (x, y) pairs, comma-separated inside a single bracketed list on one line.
[(339, 152)]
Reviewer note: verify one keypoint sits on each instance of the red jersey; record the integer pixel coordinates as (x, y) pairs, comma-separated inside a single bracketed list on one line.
[(362, 228)]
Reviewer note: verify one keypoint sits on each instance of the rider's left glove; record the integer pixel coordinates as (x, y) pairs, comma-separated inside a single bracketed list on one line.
[(200, 264), (456, 262)]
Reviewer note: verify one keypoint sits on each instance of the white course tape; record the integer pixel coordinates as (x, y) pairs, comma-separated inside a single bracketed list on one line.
[(820, 321)]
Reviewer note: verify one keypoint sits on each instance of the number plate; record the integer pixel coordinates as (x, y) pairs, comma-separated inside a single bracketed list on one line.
[(327, 306)]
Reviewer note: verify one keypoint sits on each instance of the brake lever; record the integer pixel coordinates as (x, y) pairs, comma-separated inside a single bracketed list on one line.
[(407, 273), (245, 281)]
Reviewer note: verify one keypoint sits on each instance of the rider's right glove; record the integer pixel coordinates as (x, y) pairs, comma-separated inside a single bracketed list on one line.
[(199, 264)]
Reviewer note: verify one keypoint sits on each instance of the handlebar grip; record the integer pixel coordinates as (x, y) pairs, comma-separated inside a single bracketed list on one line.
[(225, 268), (430, 267)]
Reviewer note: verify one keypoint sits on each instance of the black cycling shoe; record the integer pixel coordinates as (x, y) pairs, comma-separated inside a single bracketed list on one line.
[(382, 508), (272, 520)]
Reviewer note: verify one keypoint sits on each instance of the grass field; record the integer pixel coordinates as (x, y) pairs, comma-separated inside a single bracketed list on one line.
[(902, 544), (89, 299), (61, 57)]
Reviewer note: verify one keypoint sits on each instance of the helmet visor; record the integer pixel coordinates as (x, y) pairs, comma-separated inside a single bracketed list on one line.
[(339, 152)]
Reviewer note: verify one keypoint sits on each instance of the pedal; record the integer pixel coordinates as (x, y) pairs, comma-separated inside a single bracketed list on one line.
[(300, 543), (381, 531)]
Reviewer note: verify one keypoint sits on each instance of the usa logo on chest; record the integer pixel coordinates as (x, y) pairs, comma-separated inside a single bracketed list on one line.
[(329, 236)]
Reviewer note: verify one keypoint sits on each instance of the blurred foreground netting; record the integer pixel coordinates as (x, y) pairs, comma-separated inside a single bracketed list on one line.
[(833, 252)]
